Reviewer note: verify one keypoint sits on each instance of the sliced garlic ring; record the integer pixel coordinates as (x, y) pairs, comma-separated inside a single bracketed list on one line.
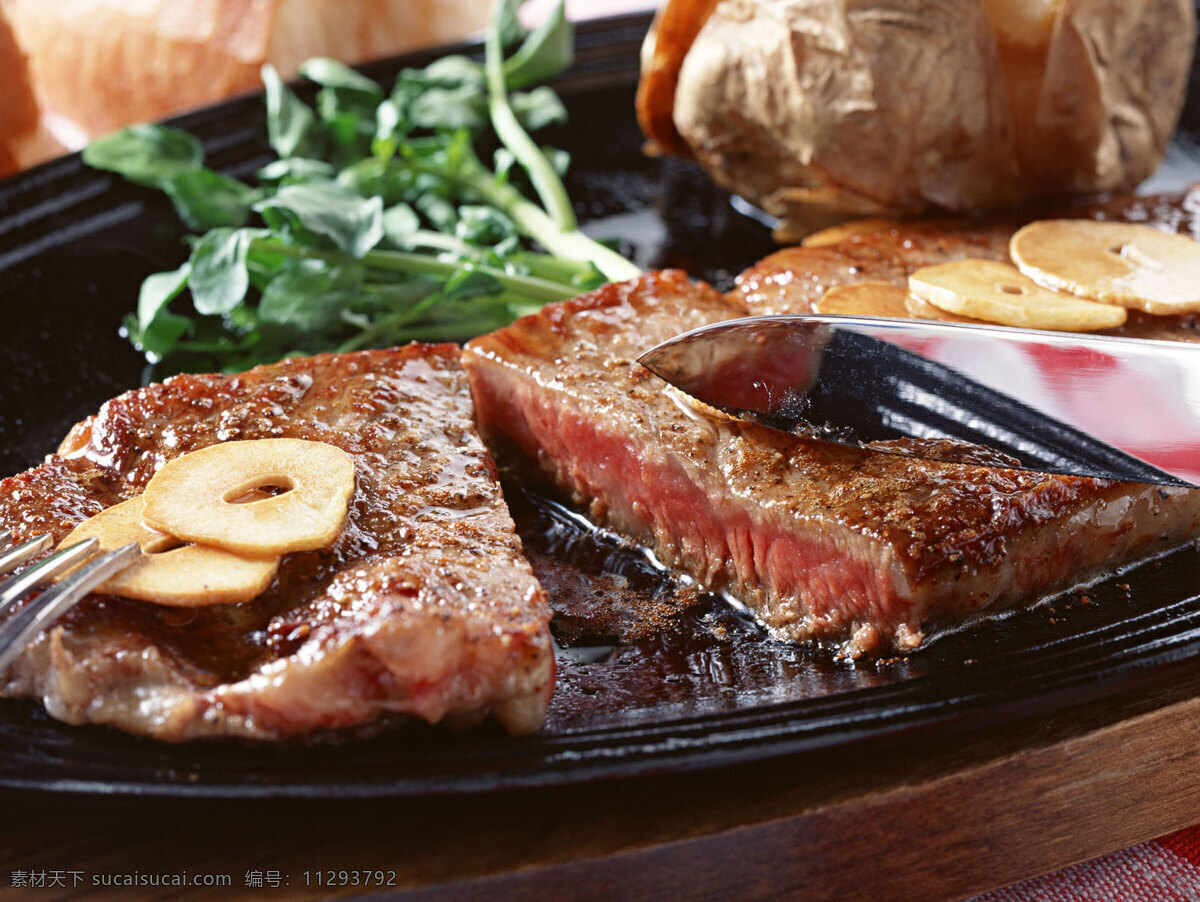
[(1121, 263), (999, 293), (168, 573), (864, 299), (920, 309), (197, 497)]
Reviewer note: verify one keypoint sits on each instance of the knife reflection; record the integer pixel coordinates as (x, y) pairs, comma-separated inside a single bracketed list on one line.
[(1113, 408)]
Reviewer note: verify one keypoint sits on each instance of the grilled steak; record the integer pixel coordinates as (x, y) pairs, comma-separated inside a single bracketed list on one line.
[(870, 550), (792, 280), (424, 606)]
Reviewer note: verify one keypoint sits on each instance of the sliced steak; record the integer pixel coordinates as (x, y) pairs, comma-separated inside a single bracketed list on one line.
[(870, 550), (424, 606), (792, 280)]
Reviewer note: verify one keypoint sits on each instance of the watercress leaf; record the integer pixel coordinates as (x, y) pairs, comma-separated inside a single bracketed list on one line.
[(450, 108), (507, 246), (345, 94), (448, 72), (456, 157), (161, 335), (264, 262), (329, 73), (559, 159), (291, 126), (546, 51), (243, 318), (589, 279), (393, 181), (296, 169), (469, 282), (205, 199), (155, 330), (502, 164), (157, 291), (538, 108), (145, 154), (387, 130), (352, 222), (430, 150), (400, 222), (285, 224), (212, 334), (484, 226), (403, 94), (346, 127), (438, 211), (499, 257), (509, 22), (309, 299), (398, 296), (219, 279)]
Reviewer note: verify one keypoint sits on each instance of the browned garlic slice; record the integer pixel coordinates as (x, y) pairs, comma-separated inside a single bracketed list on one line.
[(999, 293), (170, 572), (919, 309), (1120, 263), (200, 497), (864, 299)]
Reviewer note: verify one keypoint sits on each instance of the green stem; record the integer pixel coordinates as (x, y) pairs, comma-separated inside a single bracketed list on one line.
[(545, 180), (405, 262), (439, 242), (388, 324), (396, 294), (532, 221), (546, 266)]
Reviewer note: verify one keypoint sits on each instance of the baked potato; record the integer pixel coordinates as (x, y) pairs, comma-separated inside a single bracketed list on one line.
[(892, 107)]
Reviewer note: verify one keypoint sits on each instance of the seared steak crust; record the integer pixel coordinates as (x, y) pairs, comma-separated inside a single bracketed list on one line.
[(424, 606), (792, 280), (867, 549)]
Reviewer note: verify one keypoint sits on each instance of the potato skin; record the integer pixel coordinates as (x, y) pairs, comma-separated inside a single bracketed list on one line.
[(897, 107), (1116, 77), (671, 35)]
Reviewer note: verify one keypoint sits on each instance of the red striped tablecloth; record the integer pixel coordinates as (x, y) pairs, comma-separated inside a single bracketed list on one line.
[(1163, 870)]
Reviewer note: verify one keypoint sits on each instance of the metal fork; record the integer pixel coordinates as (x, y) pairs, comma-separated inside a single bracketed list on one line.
[(19, 627)]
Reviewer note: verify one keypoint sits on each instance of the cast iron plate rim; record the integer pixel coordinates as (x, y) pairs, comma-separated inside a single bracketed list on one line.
[(769, 733)]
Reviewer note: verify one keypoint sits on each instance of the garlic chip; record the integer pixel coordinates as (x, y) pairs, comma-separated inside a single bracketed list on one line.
[(999, 293), (171, 572), (1120, 263), (223, 496)]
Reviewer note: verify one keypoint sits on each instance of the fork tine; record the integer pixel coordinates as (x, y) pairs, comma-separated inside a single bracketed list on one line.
[(45, 570), (14, 557), (17, 630)]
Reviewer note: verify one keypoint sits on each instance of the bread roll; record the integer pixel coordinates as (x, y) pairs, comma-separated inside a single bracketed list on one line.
[(102, 64)]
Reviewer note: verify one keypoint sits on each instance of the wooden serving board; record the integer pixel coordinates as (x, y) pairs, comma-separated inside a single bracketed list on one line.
[(917, 819)]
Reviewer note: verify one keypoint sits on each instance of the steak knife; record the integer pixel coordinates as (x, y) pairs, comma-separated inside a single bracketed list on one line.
[(1056, 402)]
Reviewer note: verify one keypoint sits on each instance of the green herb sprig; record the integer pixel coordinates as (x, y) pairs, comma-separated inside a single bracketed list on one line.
[(378, 223)]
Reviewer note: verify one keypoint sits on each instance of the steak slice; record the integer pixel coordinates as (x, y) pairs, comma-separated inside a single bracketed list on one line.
[(424, 606), (793, 279), (870, 550)]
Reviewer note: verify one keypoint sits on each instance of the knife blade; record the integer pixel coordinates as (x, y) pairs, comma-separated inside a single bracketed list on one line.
[(1056, 402)]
